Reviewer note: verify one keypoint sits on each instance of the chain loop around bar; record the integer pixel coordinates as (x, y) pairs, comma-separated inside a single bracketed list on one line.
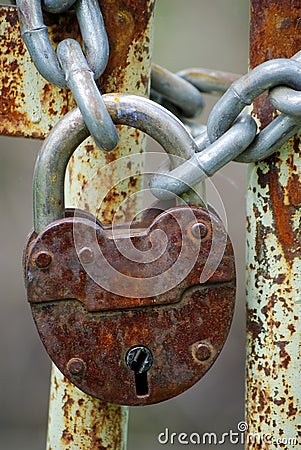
[(35, 36), (70, 68), (228, 135)]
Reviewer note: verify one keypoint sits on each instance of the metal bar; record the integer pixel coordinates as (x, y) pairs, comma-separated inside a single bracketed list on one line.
[(273, 397), (30, 107), (76, 420)]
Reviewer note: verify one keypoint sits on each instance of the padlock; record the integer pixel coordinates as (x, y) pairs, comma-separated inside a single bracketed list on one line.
[(137, 313)]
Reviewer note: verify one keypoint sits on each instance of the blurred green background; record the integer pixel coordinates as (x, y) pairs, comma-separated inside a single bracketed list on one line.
[(199, 33)]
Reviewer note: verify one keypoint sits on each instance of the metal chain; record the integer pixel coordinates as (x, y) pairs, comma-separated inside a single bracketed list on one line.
[(58, 6), (229, 135), (70, 67), (244, 91), (177, 91), (204, 164), (284, 99), (287, 100), (182, 93)]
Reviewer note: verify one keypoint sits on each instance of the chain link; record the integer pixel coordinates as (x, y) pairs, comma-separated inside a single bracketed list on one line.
[(216, 147), (229, 135), (86, 94), (182, 93), (208, 81), (244, 91), (179, 92), (35, 36), (285, 99), (58, 6), (207, 162), (70, 66)]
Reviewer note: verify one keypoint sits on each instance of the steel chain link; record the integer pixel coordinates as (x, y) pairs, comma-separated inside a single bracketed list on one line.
[(214, 153), (229, 135), (58, 6), (207, 162), (69, 67)]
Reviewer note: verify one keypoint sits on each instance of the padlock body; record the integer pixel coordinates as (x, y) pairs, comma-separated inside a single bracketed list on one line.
[(95, 293)]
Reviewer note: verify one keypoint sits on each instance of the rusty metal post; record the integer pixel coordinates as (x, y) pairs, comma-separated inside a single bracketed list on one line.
[(76, 420), (273, 401), (29, 107)]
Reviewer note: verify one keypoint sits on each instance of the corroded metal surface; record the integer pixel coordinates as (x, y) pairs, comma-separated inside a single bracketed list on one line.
[(274, 33), (273, 252), (88, 423), (184, 327), (30, 107), (73, 252), (129, 26)]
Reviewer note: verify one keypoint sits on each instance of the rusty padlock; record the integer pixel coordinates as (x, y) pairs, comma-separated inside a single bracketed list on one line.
[(133, 314)]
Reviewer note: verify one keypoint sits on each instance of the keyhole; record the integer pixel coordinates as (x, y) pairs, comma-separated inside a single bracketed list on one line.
[(140, 359)]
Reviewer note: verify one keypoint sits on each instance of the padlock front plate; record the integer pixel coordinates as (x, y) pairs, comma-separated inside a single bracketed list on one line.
[(175, 336), (88, 331), (152, 267)]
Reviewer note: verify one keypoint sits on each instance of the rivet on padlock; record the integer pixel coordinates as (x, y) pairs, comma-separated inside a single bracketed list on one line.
[(129, 331)]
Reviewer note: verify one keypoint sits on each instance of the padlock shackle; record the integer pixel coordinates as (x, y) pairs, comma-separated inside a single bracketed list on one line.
[(71, 131)]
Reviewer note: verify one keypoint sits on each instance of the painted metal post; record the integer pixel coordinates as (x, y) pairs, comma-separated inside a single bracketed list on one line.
[(273, 400), (76, 420)]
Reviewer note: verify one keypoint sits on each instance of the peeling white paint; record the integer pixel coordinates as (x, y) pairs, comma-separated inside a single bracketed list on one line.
[(83, 188), (273, 400)]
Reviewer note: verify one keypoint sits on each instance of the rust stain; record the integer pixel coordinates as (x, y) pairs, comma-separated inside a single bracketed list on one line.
[(15, 114), (294, 190), (112, 416), (292, 411), (282, 213), (126, 22), (283, 210), (275, 24), (254, 324), (261, 400), (273, 34), (273, 244), (88, 422), (67, 437), (104, 425), (283, 354)]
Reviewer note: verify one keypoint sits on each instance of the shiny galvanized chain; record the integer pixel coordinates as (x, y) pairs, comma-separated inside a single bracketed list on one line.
[(243, 92), (69, 67), (271, 73), (228, 135)]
